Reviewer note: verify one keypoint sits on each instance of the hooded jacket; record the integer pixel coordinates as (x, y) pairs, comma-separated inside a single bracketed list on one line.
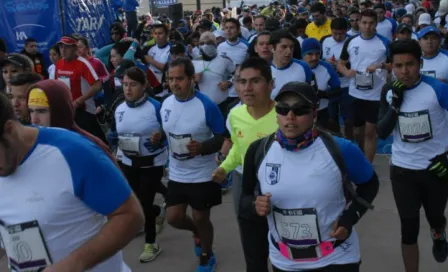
[(62, 111)]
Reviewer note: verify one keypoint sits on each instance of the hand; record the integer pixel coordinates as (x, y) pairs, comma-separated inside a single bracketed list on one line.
[(338, 232), (197, 77), (65, 266), (439, 166), (331, 61), (263, 204), (194, 147), (219, 175), (224, 85), (155, 138), (350, 73), (78, 103), (219, 158), (372, 68), (397, 95), (98, 110)]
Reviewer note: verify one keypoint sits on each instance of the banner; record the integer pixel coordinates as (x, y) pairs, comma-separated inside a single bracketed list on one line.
[(164, 3), (89, 18), (23, 19)]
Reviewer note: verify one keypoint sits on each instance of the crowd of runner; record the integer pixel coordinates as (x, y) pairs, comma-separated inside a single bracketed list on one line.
[(283, 104)]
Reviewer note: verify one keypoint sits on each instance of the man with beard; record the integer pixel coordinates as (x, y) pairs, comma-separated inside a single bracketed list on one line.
[(320, 26)]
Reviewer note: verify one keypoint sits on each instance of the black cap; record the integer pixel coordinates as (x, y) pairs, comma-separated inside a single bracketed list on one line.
[(352, 10), (404, 26), (272, 24), (177, 48), (205, 24), (123, 66), (18, 60), (304, 90), (380, 6)]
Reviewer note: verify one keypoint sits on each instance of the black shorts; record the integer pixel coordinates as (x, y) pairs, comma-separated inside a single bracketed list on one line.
[(199, 196), (365, 111), (352, 267)]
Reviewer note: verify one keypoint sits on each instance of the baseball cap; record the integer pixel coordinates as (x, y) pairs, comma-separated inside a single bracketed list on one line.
[(304, 90), (379, 6), (424, 19), (122, 67), (427, 30), (18, 60), (205, 24), (310, 45), (272, 24), (400, 12), (68, 40), (404, 26)]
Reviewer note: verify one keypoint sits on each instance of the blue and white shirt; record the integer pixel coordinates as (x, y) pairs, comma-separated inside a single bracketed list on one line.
[(297, 70), (195, 119), (326, 79), (138, 124), (237, 52), (422, 126), (436, 66), (281, 172), (159, 54), (69, 185), (387, 28), (333, 49)]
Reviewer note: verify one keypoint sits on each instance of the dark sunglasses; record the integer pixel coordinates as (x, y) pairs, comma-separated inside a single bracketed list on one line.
[(298, 109)]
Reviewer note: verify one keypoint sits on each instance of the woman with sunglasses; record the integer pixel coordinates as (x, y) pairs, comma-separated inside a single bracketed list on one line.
[(301, 192)]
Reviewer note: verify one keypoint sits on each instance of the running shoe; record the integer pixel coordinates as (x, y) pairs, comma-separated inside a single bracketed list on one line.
[(210, 267), (197, 246), (160, 219), (439, 247), (150, 252)]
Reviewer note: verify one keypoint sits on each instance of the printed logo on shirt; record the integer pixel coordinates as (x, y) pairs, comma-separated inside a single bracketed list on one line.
[(356, 48), (272, 173), (239, 134), (327, 51), (120, 116), (167, 115)]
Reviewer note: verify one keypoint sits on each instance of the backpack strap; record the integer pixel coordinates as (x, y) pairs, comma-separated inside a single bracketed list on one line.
[(336, 154), (260, 153)]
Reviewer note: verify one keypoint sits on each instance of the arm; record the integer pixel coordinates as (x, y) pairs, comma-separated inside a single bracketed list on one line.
[(343, 61), (154, 63), (130, 54), (104, 53), (387, 116), (96, 88)]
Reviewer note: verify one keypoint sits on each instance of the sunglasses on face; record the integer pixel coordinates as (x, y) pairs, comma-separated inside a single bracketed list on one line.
[(298, 109)]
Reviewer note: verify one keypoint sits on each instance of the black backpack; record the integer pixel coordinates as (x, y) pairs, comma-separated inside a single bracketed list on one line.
[(335, 153)]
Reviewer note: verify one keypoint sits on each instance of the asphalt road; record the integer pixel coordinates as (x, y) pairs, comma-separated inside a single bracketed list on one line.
[(379, 232)]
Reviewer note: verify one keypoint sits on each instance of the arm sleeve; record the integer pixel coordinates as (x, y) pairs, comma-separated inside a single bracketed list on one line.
[(344, 53), (89, 74), (157, 108), (130, 54), (334, 82), (233, 159), (441, 90), (214, 118), (104, 53), (387, 116)]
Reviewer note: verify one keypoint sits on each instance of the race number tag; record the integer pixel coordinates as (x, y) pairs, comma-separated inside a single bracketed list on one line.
[(66, 80), (415, 127), (297, 227), (429, 73), (25, 247), (363, 81), (129, 143), (178, 146)]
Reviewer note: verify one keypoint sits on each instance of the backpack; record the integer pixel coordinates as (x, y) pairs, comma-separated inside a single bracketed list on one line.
[(335, 153)]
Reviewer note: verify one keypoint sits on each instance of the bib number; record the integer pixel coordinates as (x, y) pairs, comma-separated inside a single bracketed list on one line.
[(415, 127), (297, 227), (363, 81), (429, 73), (178, 146), (129, 143), (25, 247), (66, 80)]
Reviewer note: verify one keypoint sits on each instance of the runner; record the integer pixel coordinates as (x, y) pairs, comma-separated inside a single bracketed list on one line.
[(386, 27), (194, 127), (13, 64), (430, 40), (419, 165), (262, 47), (283, 165), (159, 54), (19, 92), (69, 213), (354, 18)]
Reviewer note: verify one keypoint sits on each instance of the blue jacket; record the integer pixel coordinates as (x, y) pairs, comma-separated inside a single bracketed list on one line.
[(117, 4), (130, 5)]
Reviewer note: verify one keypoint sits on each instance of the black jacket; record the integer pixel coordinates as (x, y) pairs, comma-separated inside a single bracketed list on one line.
[(39, 63)]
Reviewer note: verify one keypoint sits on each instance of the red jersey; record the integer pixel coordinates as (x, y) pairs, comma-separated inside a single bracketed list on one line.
[(99, 68), (79, 76)]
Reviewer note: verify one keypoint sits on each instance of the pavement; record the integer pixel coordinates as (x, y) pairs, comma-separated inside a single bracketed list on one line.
[(379, 232)]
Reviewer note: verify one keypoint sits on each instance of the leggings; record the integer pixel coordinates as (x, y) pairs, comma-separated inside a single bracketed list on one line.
[(353, 267), (145, 182)]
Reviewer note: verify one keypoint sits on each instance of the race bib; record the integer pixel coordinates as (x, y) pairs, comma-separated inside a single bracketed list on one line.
[(297, 227), (129, 143), (363, 81), (66, 80), (178, 146), (25, 247), (429, 73), (415, 127)]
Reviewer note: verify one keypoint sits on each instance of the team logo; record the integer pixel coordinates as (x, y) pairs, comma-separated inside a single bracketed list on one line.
[(356, 48), (167, 115), (120, 116), (272, 173), (327, 50)]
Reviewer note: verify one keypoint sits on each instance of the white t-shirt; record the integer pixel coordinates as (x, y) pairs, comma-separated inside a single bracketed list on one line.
[(136, 125), (362, 53), (237, 52), (352, 32), (51, 71), (326, 79), (436, 66), (387, 28), (297, 70), (159, 54), (281, 172), (422, 126), (213, 72), (330, 49), (196, 119), (69, 186)]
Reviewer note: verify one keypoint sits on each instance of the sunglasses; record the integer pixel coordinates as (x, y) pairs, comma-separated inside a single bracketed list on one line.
[(298, 109)]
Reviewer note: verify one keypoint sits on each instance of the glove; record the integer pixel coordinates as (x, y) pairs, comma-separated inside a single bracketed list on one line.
[(397, 95), (439, 166)]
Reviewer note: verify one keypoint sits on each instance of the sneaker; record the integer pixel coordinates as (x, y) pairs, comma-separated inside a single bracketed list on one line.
[(197, 246), (210, 267), (150, 252), (160, 220), (439, 247)]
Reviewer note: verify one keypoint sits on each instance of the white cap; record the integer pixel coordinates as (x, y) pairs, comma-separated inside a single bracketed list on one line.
[(410, 8), (424, 19)]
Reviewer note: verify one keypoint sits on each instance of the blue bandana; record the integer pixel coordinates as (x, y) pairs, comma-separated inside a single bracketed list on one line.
[(300, 142)]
